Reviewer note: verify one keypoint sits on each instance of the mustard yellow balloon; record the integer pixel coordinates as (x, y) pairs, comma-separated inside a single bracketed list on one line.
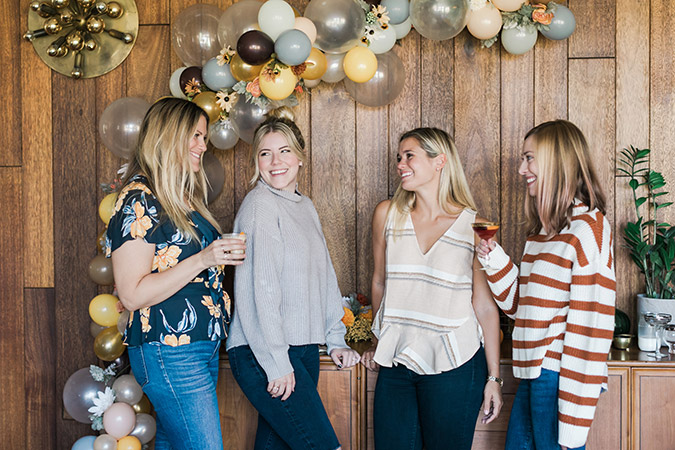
[(103, 310), (279, 85), (129, 443), (207, 101), (242, 71), (107, 207), (360, 64), (108, 344), (316, 65)]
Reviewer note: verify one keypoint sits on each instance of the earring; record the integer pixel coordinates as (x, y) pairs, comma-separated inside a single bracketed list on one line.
[(300, 164), (438, 169)]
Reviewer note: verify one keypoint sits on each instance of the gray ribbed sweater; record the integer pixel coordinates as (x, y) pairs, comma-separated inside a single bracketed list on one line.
[(286, 292)]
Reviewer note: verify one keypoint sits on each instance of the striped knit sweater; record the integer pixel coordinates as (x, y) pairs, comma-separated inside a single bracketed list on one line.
[(563, 304)]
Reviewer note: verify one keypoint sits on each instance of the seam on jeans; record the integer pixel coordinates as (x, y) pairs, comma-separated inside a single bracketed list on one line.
[(145, 367), (175, 396)]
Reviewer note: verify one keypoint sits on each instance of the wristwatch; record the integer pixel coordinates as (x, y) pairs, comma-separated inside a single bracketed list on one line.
[(496, 379)]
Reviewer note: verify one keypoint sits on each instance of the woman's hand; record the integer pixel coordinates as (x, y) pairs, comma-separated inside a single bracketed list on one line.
[(368, 361), (344, 357), (485, 247), (282, 387), (492, 401), (224, 251)]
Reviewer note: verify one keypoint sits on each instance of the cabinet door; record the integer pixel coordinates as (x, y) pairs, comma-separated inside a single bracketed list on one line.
[(653, 409), (609, 430)]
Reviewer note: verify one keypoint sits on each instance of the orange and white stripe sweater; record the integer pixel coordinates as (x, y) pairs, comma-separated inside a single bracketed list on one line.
[(563, 305)]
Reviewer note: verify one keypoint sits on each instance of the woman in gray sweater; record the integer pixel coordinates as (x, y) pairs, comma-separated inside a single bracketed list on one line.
[(287, 299)]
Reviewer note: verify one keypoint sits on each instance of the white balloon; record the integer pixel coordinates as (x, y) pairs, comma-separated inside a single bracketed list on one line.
[(174, 83), (402, 29), (381, 41), (275, 17), (334, 70), (312, 83)]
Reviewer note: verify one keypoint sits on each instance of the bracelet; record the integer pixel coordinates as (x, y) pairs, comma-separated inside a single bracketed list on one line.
[(496, 379)]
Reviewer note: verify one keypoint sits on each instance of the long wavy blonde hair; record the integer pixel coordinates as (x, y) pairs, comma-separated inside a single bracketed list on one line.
[(162, 155), (565, 173), (453, 191)]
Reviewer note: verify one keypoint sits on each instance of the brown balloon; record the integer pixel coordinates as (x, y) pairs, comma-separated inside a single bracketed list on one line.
[(242, 71), (143, 406), (255, 47), (192, 73), (101, 271), (108, 344), (208, 102)]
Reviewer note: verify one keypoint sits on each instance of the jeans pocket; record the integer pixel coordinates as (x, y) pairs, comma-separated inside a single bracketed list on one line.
[(140, 369)]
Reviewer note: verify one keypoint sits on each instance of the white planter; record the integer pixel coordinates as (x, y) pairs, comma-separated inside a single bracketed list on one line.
[(655, 305)]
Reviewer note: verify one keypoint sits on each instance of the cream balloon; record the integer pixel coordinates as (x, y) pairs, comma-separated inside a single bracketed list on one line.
[(306, 26), (275, 17), (508, 5), (174, 83), (484, 23), (334, 69)]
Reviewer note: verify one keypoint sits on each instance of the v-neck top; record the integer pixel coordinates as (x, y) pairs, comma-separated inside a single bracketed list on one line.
[(426, 319)]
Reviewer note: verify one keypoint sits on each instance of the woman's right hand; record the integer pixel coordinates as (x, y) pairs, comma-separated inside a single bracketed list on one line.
[(224, 252), (368, 361), (282, 387), (485, 247)]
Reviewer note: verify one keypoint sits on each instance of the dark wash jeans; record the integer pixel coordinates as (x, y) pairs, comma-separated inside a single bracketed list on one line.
[(299, 422), (533, 423), (437, 412)]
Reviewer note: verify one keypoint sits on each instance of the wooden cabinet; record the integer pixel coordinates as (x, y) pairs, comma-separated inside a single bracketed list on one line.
[(653, 408), (611, 422)]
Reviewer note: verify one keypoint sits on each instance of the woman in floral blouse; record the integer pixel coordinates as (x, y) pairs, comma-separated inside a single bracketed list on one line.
[(168, 265)]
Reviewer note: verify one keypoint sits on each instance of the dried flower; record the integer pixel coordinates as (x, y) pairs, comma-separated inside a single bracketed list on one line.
[(299, 69), (253, 87), (226, 100), (299, 89), (193, 87), (348, 319), (225, 56), (475, 5), (542, 16), (102, 401)]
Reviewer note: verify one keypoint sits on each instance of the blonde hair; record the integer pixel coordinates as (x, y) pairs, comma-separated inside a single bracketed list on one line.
[(453, 189), (565, 173), (280, 120), (162, 155)]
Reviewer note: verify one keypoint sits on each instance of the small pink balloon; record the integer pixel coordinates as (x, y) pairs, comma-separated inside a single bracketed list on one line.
[(119, 420), (306, 26)]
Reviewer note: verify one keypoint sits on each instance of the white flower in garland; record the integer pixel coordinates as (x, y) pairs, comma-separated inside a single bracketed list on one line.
[(103, 401), (475, 5)]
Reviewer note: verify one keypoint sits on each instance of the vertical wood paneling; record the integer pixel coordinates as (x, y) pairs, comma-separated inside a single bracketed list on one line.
[(36, 148), (10, 88), (437, 84), (550, 80), (594, 36), (477, 119), (12, 388), (39, 366), (154, 12), (148, 65)]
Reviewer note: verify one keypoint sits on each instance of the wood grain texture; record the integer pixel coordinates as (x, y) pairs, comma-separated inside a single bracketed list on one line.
[(37, 152), (10, 88), (154, 12), (238, 418), (40, 357), (653, 412), (437, 84), (550, 80), (147, 67), (594, 36), (12, 332), (341, 393), (610, 424)]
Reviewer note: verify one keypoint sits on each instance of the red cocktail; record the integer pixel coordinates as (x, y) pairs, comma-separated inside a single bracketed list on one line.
[(485, 230)]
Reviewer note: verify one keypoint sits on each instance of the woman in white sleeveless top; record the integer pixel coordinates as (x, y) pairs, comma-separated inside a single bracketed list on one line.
[(435, 319)]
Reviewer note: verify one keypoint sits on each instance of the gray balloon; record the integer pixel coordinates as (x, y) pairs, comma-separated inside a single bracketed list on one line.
[(384, 87), (562, 25), (334, 69), (145, 428), (518, 41), (439, 20), (398, 10), (105, 442), (237, 19), (127, 389), (339, 24), (222, 135), (214, 174), (292, 47), (246, 117), (120, 125), (217, 77), (79, 393)]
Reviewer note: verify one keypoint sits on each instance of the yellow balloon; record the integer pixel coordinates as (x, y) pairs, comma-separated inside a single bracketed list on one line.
[(129, 443), (103, 310), (316, 65), (280, 85), (107, 207), (242, 71), (143, 405), (360, 64), (108, 344), (207, 101)]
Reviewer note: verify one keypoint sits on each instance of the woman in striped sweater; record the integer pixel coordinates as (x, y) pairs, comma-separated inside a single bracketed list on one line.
[(562, 299)]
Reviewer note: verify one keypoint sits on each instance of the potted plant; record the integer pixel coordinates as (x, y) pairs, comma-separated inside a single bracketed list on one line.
[(651, 243)]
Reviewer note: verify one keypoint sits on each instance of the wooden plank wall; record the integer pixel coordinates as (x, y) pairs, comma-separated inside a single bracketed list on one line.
[(614, 77)]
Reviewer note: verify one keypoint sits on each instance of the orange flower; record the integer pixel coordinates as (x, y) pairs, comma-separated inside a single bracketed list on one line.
[(166, 258), (348, 318), (367, 315), (253, 87), (228, 303), (175, 342), (540, 15), (145, 319), (214, 310), (142, 222)]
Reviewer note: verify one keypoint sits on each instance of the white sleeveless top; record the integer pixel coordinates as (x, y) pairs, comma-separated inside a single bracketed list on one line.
[(426, 319)]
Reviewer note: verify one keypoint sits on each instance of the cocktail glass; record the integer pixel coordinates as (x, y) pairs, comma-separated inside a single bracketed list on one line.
[(486, 231), (658, 321), (669, 337)]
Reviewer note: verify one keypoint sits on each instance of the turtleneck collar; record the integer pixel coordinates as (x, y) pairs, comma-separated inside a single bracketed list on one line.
[(292, 196)]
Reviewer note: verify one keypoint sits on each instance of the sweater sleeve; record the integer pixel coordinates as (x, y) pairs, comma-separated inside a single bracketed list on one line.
[(257, 287), (502, 276), (590, 325)]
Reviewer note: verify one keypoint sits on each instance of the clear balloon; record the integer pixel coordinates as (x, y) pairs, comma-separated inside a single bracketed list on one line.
[(174, 83), (402, 29), (339, 24), (214, 174), (275, 17), (122, 321), (105, 442), (360, 64), (217, 77), (334, 68), (399, 10), (195, 34), (246, 117), (127, 389), (237, 19), (103, 310), (84, 443), (384, 87), (508, 5), (484, 23), (101, 271), (562, 25), (292, 47), (119, 420), (306, 26), (120, 125), (208, 101), (145, 428), (108, 344), (439, 20), (222, 135), (129, 443), (381, 41), (79, 393), (518, 40), (95, 329)]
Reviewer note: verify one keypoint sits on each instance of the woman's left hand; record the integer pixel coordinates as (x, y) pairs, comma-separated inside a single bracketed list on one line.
[(344, 357), (492, 402)]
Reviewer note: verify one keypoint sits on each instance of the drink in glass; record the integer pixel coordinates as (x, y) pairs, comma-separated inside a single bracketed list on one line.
[(241, 236)]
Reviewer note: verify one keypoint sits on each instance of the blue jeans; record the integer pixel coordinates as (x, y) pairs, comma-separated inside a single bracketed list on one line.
[(181, 384), (435, 411), (534, 418), (299, 422)]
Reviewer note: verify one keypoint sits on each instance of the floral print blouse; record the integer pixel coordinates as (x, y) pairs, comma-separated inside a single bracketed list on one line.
[(198, 311)]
